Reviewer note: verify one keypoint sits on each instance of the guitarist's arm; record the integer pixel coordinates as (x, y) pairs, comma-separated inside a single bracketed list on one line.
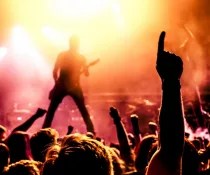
[(85, 67), (56, 68)]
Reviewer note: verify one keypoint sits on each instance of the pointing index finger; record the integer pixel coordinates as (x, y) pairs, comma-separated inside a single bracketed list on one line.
[(161, 43)]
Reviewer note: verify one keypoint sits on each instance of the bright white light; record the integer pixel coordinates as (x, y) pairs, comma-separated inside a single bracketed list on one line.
[(24, 48), (3, 52), (19, 118), (78, 8), (116, 8), (56, 38), (20, 40), (119, 18), (18, 28), (48, 31)]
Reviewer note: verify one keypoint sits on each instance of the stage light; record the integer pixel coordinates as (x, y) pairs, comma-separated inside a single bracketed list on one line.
[(48, 31), (20, 40), (19, 118), (79, 8), (3, 52), (51, 33), (116, 8), (18, 29), (57, 38), (24, 48)]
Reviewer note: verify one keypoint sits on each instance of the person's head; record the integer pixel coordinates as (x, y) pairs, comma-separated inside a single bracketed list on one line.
[(118, 164), (18, 144), (74, 42), (153, 128), (3, 133), (41, 141), (52, 152), (143, 152), (81, 155), (4, 156), (24, 167)]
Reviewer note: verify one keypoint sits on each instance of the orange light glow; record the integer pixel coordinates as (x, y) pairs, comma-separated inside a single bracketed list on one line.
[(57, 38), (24, 48), (99, 23), (114, 30), (20, 40), (79, 8)]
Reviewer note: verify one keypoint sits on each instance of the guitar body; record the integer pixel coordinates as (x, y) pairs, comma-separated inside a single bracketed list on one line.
[(61, 88)]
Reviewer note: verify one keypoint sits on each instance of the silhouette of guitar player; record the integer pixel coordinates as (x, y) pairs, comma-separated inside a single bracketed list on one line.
[(69, 66)]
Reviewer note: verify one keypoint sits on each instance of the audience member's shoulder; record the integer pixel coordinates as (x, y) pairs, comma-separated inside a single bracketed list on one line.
[(133, 173)]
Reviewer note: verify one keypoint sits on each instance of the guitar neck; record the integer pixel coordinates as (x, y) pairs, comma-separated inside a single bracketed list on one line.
[(91, 64)]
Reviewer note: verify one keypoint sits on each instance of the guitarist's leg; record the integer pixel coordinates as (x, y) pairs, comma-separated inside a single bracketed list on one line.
[(54, 103), (78, 97), (50, 113)]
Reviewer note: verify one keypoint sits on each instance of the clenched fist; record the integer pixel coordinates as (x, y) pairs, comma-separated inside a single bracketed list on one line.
[(168, 65)]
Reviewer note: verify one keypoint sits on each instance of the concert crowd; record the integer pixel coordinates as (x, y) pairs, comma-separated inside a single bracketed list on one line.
[(164, 150)]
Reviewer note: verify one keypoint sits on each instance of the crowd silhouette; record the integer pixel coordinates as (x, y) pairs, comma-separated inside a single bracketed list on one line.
[(164, 150)]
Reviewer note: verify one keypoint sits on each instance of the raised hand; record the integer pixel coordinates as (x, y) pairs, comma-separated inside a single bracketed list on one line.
[(114, 113), (134, 120), (70, 129), (168, 65), (153, 127), (135, 125), (134, 117)]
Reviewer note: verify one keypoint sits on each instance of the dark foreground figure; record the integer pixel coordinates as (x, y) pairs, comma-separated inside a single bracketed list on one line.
[(69, 66)]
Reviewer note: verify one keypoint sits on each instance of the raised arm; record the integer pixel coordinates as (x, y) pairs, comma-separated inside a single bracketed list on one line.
[(28, 123), (170, 68), (171, 136), (126, 152), (136, 131)]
